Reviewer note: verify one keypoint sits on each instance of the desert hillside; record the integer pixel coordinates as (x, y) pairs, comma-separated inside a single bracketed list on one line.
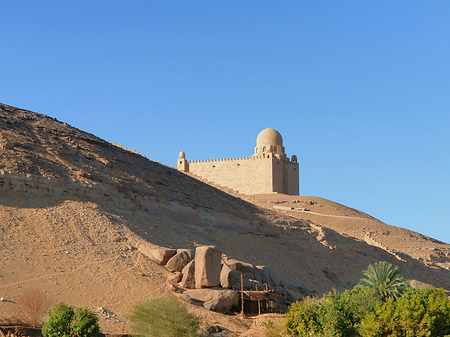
[(74, 208)]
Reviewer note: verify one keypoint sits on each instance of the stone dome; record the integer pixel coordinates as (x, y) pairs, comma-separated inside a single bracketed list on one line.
[(182, 155), (269, 136)]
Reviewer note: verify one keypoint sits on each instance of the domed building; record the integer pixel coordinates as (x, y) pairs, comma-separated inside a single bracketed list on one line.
[(269, 141), (268, 170)]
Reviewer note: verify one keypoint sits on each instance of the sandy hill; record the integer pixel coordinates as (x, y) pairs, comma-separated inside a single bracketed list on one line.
[(73, 209)]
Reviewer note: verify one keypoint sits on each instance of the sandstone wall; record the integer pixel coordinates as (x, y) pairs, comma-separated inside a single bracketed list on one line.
[(250, 175)]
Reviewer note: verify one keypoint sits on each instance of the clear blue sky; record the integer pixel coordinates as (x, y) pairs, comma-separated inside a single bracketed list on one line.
[(360, 90)]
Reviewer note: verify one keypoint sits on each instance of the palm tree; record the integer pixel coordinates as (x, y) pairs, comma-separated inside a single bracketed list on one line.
[(385, 279)]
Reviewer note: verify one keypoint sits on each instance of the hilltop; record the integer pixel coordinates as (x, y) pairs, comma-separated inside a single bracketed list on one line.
[(74, 208)]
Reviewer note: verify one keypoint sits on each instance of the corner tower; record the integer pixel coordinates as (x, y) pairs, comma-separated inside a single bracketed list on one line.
[(268, 170)]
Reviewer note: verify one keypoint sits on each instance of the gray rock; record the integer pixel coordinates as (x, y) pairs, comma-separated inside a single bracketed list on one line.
[(179, 260), (219, 300), (207, 266), (188, 279), (224, 302), (265, 275), (202, 295), (189, 251), (176, 277), (251, 275), (229, 278), (160, 255)]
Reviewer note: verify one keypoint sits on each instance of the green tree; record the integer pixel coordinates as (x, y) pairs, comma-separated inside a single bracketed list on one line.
[(84, 323), (335, 314), (341, 313), (418, 313), (163, 317), (384, 279), (303, 317), (67, 321)]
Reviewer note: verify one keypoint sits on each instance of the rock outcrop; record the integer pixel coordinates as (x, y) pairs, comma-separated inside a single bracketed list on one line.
[(207, 266), (215, 299), (188, 279), (179, 260), (160, 255)]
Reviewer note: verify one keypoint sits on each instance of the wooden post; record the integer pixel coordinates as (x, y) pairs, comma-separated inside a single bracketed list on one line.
[(242, 295), (268, 298)]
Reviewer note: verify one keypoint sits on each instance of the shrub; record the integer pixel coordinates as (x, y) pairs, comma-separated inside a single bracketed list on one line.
[(385, 279), (417, 313), (84, 323), (336, 314), (273, 329), (67, 321), (163, 317), (303, 317), (33, 304)]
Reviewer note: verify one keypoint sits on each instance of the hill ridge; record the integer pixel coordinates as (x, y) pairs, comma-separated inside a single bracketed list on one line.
[(74, 208)]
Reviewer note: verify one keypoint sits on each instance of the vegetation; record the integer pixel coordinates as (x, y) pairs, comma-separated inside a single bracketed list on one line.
[(68, 321), (336, 314), (274, 329), (163, 317), (378, 306), (417, 313), (33, 304), (384, 279)]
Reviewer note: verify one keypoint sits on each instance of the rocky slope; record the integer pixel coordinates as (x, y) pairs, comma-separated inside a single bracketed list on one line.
[(74, 208)]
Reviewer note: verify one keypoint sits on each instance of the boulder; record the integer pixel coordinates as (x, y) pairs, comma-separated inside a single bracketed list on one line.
[(251, 276), (240, 266), (179, 260), (219, 300), (229, 278), (265, 275), (275, 280), (202, 295), (176, 277), (160, 254), (249, 270), (207, 266), (188, 279), (189, 251), (223, 303)]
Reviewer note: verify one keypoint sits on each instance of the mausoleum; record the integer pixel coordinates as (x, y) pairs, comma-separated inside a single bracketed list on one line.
[(268, 170)]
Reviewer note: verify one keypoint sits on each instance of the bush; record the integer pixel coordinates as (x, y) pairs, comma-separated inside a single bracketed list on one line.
[(163, 317), (417, 313), (33, 304), (336, 314), (67, 321), (303, 317), (274, 329)]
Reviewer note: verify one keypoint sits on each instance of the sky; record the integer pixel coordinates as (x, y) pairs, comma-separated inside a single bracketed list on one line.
[(359, 90)]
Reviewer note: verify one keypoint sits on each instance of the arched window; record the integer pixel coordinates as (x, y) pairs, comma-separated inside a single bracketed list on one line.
[(264, 149)]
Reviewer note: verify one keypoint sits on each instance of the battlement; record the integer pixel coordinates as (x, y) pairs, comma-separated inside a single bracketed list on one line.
[(268, 170), (261, 157)]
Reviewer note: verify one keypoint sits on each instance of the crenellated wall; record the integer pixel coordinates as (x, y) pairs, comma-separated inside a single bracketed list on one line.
[(249, 175)]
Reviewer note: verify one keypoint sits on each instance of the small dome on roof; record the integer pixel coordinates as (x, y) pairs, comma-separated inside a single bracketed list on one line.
[(182, 155), (269, 136)]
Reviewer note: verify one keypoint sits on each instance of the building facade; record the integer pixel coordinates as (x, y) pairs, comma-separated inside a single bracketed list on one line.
[(268, 170)]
